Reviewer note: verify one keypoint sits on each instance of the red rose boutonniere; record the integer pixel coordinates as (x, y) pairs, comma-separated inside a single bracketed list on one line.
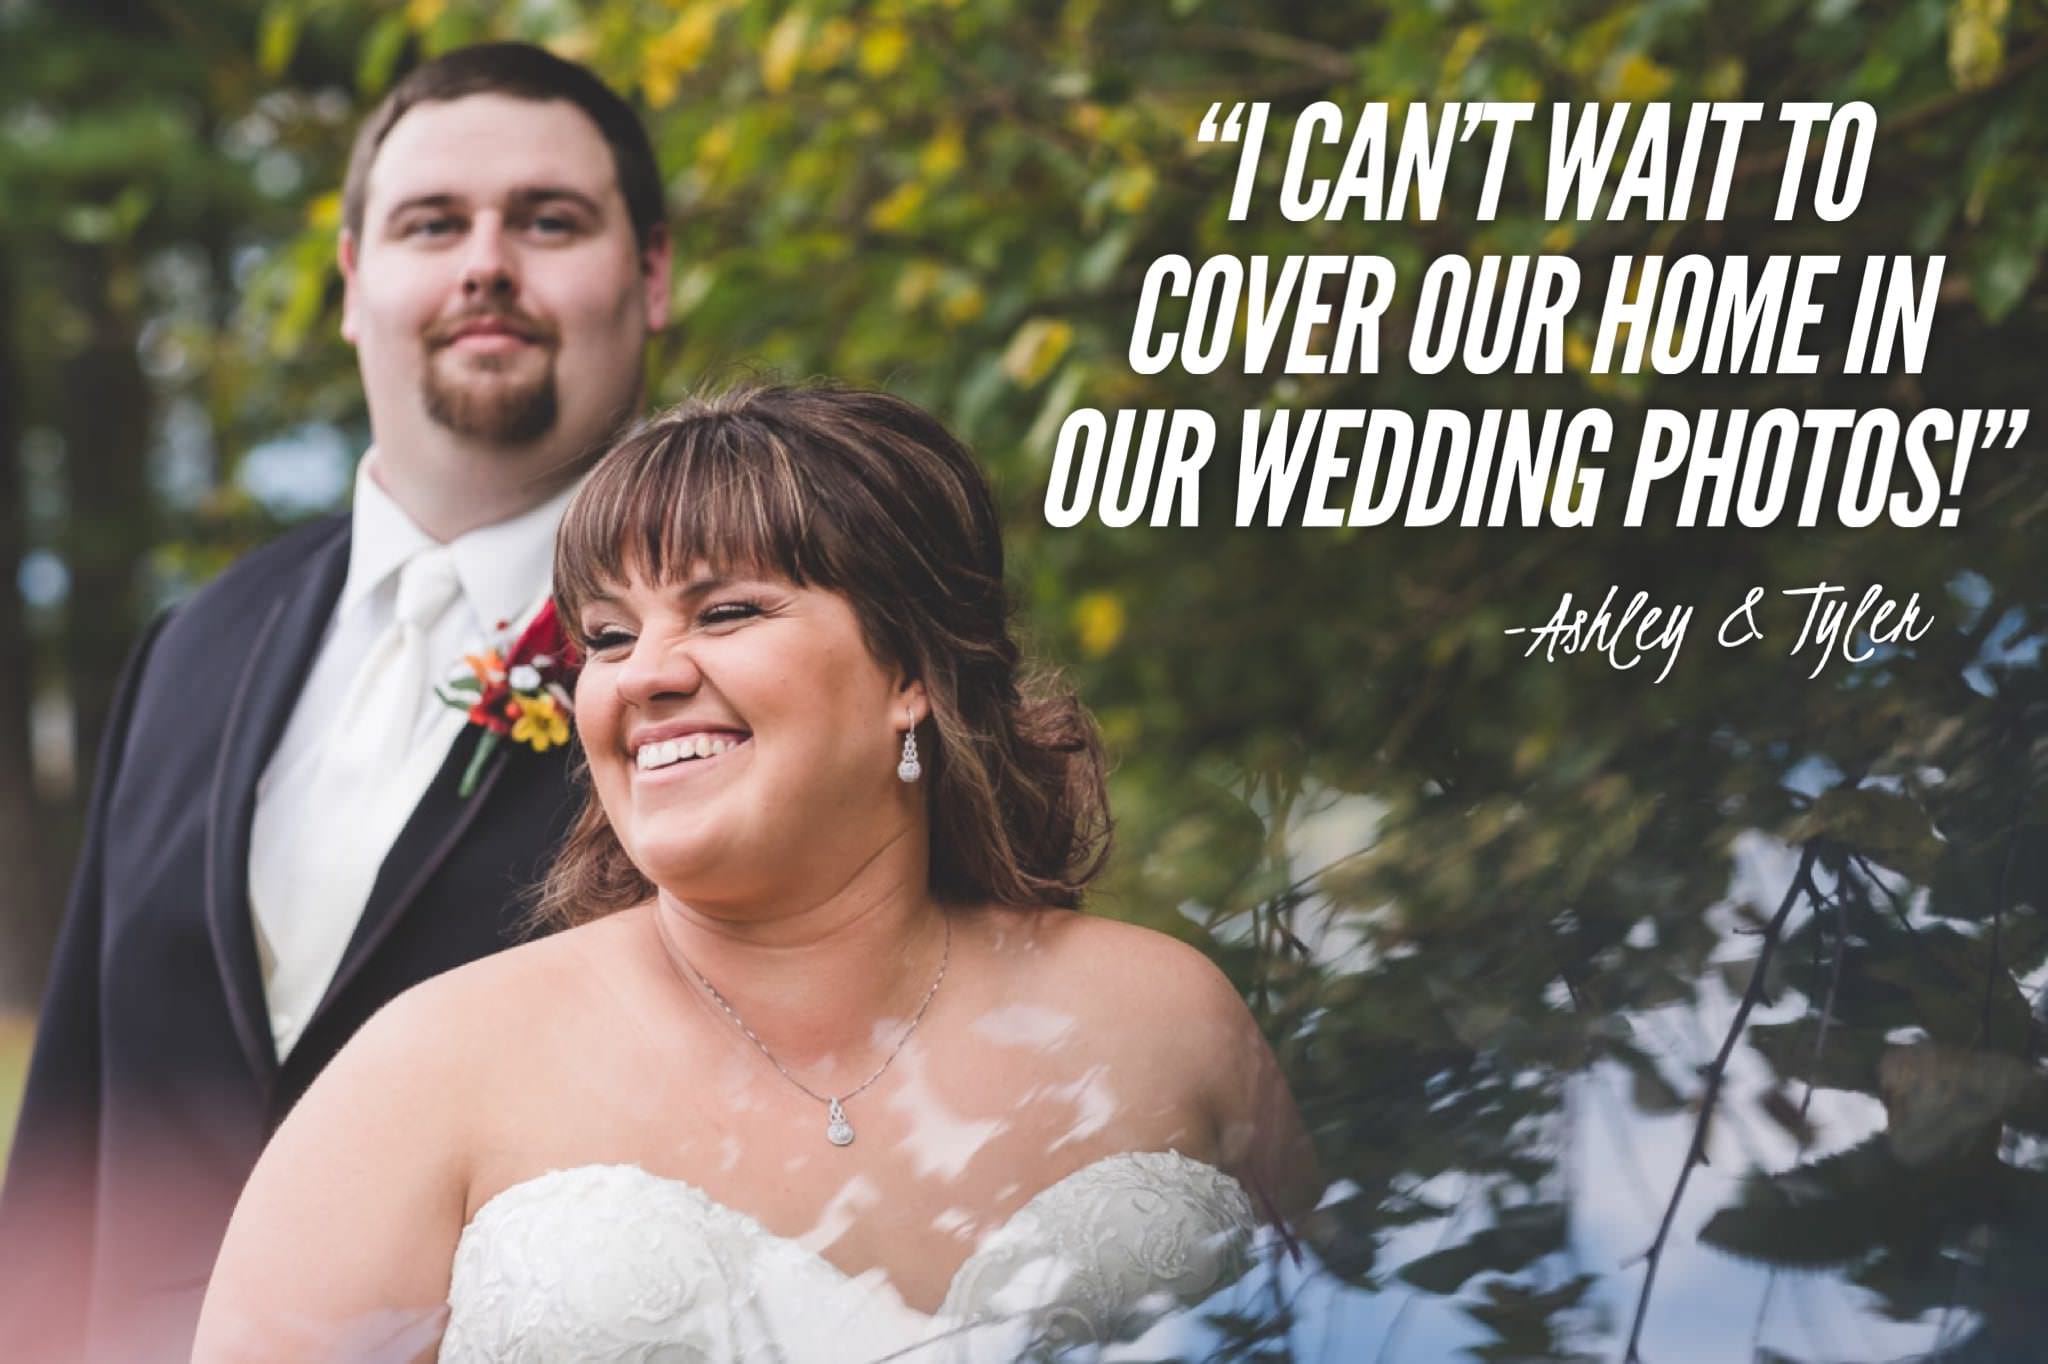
[(519, 693)]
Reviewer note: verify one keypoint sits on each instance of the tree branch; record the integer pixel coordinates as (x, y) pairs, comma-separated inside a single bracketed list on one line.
[(1802, 882), (1995, 967)]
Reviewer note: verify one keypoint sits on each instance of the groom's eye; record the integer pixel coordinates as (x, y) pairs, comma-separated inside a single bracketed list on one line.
[(438, 226), (605, 641)]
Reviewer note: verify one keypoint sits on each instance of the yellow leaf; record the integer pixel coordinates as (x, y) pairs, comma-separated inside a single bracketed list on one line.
[(894, 212), (1099, 622), (1976, 41), (1636, 78), (943, 155), (1518, 86), (1578, 351), (324, 213), (690, 288), (829, 44), (784, 50), (1035, 349), (1131, 188), (1723, 79), (680, 48), (962, 304), (915, 283), (716, 144), (573, 45), (422, 13), (1462, 50), (882, 49)]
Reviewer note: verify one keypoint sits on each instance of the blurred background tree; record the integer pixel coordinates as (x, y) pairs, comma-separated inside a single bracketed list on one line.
[(1524, 933)]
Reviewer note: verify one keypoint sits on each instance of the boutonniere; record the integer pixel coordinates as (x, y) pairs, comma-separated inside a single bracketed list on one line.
[(520, 693)]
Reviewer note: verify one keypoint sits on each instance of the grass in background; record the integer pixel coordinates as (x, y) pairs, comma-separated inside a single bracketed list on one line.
[(17, 1033)]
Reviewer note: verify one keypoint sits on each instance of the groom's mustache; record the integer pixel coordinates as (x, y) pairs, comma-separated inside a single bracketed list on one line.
[(527, 328)]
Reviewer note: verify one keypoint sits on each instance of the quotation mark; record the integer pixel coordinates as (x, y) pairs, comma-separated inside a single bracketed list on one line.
[(2000, 426), (1233, 126)]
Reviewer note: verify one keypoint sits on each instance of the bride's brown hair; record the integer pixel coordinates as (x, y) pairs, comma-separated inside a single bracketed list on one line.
[(869, 496)]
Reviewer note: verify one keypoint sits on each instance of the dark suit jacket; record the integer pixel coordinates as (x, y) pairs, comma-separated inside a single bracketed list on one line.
[(154, 1083)]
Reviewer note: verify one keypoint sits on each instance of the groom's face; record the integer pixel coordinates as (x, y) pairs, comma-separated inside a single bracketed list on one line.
[(498, 291)]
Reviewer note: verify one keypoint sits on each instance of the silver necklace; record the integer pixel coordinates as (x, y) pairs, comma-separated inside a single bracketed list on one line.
[(838, 1130)]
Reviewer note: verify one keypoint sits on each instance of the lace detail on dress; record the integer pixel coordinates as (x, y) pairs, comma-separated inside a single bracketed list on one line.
[(609, 1262)]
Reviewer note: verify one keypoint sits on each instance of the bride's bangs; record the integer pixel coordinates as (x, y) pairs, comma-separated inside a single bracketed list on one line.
[(713, 490)]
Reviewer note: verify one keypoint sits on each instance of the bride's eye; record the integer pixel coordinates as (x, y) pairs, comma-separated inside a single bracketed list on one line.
[(603, 641), (729, 612)]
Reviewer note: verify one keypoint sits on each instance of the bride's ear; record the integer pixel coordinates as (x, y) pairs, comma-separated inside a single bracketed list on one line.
[(910, 707)]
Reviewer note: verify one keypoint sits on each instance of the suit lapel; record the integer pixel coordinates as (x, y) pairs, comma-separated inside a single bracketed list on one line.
[(439, 822), (270, 682)]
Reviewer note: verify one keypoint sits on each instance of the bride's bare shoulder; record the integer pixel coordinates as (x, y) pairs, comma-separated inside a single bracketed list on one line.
[(488, 1007), (1156, 1004), (1143, 985)]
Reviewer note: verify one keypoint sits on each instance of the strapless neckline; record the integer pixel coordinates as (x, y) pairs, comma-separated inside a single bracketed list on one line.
[(545, 1185), (614, 1262)]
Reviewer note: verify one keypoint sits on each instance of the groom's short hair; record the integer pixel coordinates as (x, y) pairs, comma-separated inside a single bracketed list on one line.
[(522, 71)]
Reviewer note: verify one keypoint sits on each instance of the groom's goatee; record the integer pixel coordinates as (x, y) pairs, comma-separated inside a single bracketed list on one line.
[(505, 416), (474, 405)]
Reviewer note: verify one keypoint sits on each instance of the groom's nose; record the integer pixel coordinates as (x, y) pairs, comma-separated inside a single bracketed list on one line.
[(487, 267)]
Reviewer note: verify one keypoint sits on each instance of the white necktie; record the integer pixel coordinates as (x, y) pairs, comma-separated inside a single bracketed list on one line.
[(369, 752)]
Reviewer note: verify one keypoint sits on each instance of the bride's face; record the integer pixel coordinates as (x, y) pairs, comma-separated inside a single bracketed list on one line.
[(742, 738)]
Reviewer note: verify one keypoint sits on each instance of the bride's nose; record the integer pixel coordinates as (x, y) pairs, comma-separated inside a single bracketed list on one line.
[(659, 668)]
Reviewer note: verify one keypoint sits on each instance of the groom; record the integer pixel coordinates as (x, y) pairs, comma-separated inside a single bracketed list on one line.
[(279, 840)]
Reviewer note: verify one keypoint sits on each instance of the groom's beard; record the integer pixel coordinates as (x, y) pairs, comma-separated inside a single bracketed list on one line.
[(479, 397)]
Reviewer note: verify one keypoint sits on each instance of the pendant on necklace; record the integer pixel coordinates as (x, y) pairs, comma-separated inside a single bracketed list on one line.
[(838, 1130)]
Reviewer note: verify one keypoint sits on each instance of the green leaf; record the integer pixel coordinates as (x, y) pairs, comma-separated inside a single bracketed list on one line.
[(279, 39), (380, 54), (2002, 271)]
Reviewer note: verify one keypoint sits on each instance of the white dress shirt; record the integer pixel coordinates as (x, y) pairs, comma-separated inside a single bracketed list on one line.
[(504, 572)]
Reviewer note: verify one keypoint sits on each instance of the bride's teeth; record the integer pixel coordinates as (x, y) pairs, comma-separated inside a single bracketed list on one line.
[(686, 749)]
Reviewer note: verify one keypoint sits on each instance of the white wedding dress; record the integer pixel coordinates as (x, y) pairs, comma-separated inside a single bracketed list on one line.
[(609, 1262)]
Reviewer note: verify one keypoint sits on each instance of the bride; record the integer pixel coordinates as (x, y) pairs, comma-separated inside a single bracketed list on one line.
[(824, 1066)]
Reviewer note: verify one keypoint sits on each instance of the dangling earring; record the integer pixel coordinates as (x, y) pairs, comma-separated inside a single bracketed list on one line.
[(910, 769)]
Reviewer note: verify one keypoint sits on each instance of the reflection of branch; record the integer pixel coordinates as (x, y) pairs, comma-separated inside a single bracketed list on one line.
[(1827, 1012), (1996, 965), (1820, 1042), (1802, 883), (1891, 896)]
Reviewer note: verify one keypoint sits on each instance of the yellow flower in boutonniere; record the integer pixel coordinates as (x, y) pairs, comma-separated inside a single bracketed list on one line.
[(540, 723), (519, 693)]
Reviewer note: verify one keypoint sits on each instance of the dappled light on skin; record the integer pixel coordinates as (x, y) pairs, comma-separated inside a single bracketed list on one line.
[(1024, 1025), (1093, 1102), (858, 1197), (940, 1139)]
